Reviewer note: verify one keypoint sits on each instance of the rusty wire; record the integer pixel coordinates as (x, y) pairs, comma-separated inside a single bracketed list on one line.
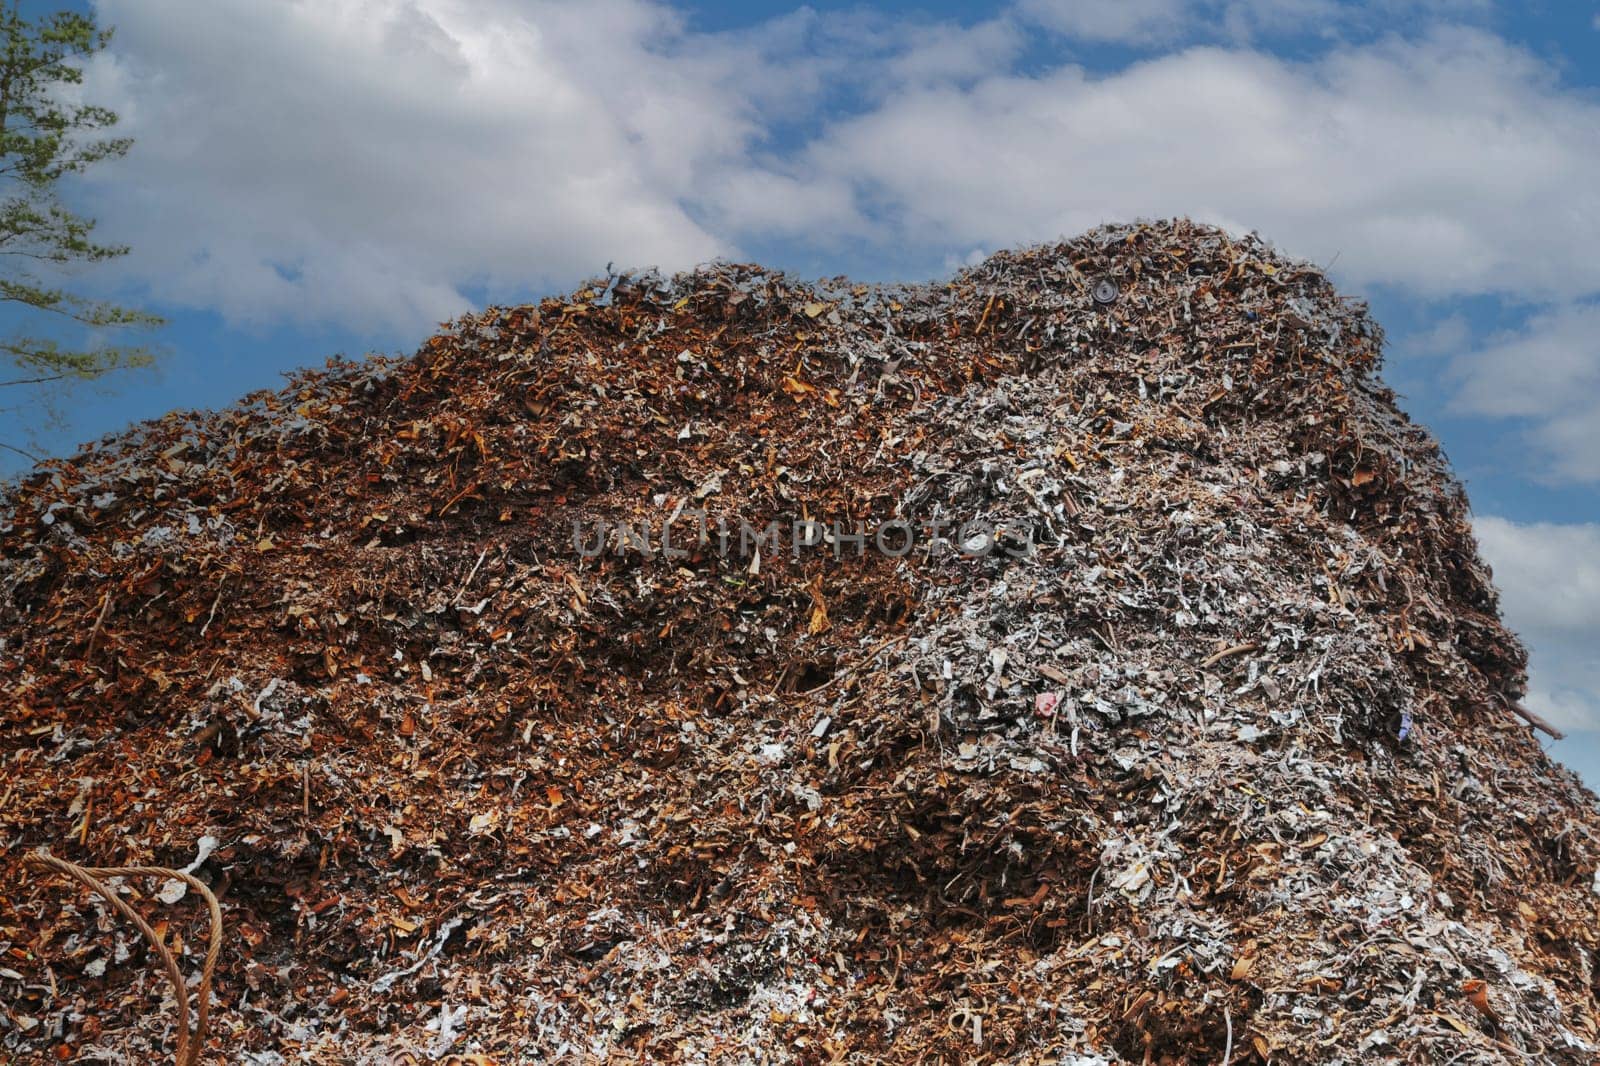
[(189, 1044)]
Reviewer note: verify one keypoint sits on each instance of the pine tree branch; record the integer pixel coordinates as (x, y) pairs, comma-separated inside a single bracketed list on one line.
[(46, 133)]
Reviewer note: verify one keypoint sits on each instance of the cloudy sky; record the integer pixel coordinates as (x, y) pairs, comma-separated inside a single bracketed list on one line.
[(320, 176)]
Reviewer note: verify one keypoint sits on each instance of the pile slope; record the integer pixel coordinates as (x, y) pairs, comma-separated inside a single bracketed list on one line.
[(1226, 768)]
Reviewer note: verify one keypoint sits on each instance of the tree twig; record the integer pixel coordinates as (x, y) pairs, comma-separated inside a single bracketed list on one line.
[(35, 381), (22, 452)]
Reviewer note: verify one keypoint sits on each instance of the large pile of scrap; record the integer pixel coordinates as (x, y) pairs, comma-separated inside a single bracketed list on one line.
[(1208, 750)]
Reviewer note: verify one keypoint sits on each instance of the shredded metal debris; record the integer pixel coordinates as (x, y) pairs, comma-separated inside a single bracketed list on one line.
[(1224, 764)]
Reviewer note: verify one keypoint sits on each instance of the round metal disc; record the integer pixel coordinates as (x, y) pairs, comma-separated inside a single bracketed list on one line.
[(1105, 292)]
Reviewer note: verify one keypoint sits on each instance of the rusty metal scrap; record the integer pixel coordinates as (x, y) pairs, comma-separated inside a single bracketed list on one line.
[(1222, 768)]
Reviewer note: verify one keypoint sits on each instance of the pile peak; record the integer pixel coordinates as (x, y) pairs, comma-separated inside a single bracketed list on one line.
[(1080, 660)]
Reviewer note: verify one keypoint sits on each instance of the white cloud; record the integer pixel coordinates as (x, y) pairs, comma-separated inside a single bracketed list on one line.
[(1548, 371), (1534, 370), (1571, 440), (1129, 21), (947, 52), (1548, 573), (365, 160), (362, 161), (1159, 22), (1549, 580), (1448, 337), (1450, 165)]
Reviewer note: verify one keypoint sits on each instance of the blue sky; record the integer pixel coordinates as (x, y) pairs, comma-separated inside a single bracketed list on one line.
[(314, 177)]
